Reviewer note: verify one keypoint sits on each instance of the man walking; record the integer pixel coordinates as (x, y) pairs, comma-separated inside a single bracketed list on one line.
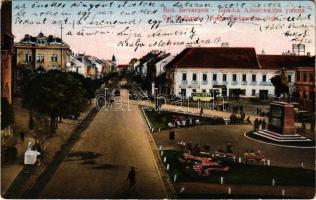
[(132, 178)]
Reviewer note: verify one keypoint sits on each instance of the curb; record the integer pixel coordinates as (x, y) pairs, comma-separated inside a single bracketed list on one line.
[(147, 121), (279, 145), (164, 177)]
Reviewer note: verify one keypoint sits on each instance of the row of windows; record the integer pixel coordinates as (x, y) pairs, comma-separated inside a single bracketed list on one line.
[(304, 76), (40, 58), (224, 78), (224, 92)]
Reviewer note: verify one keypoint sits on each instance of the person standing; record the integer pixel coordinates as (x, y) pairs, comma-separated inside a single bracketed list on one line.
[(131, 177), (264, 124)]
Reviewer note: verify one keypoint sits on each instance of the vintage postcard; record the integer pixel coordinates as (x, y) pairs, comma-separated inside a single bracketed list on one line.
[(157, 99)]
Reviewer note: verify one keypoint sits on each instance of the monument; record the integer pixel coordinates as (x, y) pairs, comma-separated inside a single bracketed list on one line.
[(281, 126), (282, 118)]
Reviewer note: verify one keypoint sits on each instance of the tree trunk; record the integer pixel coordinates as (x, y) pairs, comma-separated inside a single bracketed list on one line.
[(52, 124), (31, 121)]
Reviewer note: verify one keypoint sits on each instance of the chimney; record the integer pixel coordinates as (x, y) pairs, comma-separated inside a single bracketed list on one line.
[(308, 53), (225, 44), (263, 52)]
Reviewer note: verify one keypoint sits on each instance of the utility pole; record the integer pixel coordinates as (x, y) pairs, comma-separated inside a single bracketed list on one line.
[(61, 49)]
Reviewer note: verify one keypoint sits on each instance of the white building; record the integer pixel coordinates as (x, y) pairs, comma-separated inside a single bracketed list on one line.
[(223, 68), (76, 65)]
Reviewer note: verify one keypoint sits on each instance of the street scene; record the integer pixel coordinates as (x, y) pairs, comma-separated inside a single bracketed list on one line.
[(157, 100)]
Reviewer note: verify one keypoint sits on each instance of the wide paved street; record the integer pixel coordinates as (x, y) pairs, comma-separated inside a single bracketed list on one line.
[(98, 164)]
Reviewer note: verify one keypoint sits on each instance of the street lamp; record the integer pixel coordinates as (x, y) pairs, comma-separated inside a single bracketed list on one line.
[(156, 98)]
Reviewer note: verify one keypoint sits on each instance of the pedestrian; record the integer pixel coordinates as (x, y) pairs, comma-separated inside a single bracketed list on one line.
[(248, 120), (201, 111), (229, 147), (263, 124), (256, 124), (131, 177), (38, 148), (171, 135)]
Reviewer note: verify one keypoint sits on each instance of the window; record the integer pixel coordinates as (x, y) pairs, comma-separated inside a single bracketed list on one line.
[(53, 57), (264, 78), (224, 77), (298, 76), (204, 91), (311, 77), (214, 77), (193, 90), (253, 92), (243, 92), (28, 57), (40, 58), (304, 76), (289, 78), (253, 78), (234, 77), (244, 77), (204, 77), (184, 77), (194, 77)]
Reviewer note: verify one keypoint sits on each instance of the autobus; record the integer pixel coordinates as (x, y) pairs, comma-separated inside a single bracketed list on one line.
[(199, 96)]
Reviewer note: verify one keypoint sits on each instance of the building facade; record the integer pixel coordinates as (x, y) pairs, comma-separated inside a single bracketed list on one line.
[(228, 69), (6, 50), (305, 82), (40, 53)]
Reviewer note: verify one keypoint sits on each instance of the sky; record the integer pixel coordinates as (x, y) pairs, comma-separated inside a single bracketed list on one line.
[(271, 38)]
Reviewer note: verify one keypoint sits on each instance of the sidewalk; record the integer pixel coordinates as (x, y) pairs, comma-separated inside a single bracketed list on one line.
[(51, 145), (196, 111)]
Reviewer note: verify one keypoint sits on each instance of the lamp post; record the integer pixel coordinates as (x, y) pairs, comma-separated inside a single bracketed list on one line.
[(213, 98), (156, 98)]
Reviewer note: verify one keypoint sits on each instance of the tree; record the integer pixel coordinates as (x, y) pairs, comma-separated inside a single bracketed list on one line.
[(26, 76), (7, 114), (55, 94), (90, 85)]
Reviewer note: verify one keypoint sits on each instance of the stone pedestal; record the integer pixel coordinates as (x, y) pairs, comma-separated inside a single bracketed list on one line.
[(282, 118)]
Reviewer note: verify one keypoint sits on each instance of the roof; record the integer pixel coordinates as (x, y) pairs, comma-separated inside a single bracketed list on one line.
[(285, 61), (51, 40), (158, 58), (122, 66), (215, 57)]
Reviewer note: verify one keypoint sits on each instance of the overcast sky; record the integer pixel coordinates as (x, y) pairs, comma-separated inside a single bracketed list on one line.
[(105, 45)]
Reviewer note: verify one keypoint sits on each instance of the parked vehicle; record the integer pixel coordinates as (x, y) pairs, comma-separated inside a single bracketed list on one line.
[(202, 97)]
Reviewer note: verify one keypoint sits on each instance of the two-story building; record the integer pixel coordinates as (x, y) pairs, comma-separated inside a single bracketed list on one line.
[(40, 53), (226, 69)]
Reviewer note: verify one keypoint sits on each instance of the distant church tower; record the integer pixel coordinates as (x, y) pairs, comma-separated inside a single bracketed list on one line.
[(113, 61)]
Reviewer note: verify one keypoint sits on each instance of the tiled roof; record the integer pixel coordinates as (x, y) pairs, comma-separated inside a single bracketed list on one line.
[(285, 61), (216, 57), (158, 58), (122, 66)]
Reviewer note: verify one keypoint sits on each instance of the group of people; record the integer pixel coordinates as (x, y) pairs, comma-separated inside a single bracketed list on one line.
[(237, 118), (260, 112), (259, 122)]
